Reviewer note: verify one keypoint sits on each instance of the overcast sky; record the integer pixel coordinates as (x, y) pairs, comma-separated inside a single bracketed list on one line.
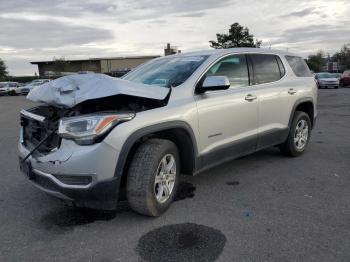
[(43, 29)]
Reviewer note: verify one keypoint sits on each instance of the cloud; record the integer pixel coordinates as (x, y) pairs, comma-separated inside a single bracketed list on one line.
[(41, 29), (181, 6), (37, 34), (120, 10), (193, 14), (314, 33), (302, 13), (57, 7)]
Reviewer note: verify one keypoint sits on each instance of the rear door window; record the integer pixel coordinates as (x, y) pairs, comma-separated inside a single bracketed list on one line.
[(298, 66), (266, 68)]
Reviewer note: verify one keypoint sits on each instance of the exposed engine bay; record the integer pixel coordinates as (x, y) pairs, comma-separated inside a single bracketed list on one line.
[(77, 95), (45, 123)]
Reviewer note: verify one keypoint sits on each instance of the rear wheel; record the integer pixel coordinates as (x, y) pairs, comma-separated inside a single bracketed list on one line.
[(299, 135), (153, 177)]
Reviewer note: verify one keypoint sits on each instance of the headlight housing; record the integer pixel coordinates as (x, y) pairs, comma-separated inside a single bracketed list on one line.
[(87, 129)]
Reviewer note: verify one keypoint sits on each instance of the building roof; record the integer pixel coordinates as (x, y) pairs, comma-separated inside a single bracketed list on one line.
[(96, 59)]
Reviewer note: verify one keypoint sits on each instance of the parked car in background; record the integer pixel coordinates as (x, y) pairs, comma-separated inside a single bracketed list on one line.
[(8, 88), (38, 82), (345, 79), (325, 80), (337, 75)]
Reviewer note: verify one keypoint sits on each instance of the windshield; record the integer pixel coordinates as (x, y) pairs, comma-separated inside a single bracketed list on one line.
[(166, 72), (325, 75), (3, 84)]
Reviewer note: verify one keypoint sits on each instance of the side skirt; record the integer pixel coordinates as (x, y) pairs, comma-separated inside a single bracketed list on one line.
[(240, 148)]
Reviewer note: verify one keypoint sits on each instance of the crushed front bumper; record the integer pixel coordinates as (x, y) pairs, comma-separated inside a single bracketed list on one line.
[(84, 175)]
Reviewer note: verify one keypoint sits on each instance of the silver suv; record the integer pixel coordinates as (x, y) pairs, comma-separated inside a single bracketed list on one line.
[(96, 139)]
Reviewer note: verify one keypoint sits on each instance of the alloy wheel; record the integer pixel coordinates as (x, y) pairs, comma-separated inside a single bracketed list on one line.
[(165, 178), (301, 134)]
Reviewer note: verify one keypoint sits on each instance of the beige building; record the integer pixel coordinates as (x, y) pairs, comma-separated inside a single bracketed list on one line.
[(115, 66)]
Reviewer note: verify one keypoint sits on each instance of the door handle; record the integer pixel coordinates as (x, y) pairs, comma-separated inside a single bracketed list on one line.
[(250, 97), (291, 91)]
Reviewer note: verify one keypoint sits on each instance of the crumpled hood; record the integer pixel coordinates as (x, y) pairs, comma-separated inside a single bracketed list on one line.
[(68, 91)]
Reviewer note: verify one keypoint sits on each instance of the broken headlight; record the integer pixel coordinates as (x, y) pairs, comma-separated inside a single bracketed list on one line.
[(86, 129)]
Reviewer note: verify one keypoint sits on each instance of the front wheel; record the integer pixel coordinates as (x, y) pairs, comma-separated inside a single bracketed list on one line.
[(153, 177), (299, 135)]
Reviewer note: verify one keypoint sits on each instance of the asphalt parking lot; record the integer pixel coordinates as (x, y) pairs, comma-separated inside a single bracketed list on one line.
[(264, 207)]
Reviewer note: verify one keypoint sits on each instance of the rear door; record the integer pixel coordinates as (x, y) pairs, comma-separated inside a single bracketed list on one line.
[(274, 96)]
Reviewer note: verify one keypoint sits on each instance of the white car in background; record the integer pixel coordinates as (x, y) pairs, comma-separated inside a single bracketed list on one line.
[(8, 88), (325, 80), (35, 83)]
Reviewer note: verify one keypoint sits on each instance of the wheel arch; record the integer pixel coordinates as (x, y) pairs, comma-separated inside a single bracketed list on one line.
[(305, 105), (178, 132)]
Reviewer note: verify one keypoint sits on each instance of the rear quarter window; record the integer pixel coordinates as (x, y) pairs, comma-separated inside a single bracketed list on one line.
[(298, 66)]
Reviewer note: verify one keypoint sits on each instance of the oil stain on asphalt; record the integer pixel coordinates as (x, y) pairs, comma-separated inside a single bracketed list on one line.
[(181, 242), (185, 190), (232, 183), (68, 217)]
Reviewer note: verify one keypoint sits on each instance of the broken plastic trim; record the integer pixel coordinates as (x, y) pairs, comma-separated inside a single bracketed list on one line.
[(38, 145)]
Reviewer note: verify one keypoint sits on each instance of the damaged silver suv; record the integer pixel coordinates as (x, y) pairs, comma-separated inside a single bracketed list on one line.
[(94, 139)]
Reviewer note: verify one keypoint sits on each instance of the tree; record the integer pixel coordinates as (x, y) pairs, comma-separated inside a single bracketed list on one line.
[(238, 36), (3, 72), (343, 56), (316, 61)]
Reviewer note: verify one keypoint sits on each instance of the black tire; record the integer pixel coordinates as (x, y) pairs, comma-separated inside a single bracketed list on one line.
[(140, 186), (289, 148)]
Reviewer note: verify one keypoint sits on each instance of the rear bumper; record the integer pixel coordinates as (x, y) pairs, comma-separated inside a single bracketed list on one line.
[(345, 82)]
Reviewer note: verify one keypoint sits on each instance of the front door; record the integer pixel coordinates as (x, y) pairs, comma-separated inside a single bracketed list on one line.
[(228, 119)]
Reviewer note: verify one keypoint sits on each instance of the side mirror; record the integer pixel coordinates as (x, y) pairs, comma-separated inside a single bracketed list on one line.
[(212, 83)]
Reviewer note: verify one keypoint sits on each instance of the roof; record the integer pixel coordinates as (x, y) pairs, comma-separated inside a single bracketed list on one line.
[(100, 58), (238, 50)]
